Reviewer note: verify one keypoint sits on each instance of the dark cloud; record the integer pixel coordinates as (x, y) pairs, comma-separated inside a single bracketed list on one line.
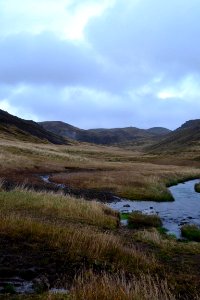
[(45, 59), (150, 36)]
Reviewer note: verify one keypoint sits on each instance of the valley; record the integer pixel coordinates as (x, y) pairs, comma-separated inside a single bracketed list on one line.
[(68, 239)]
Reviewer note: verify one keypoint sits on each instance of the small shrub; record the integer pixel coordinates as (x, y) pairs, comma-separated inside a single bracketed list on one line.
[(9, 289), (197, 187), (191, 232), (139, 220)]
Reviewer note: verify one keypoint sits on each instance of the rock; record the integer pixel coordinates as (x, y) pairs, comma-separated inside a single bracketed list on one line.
[(58, 291), (183, 223), (125, 211), (126, 205), (151, 207)]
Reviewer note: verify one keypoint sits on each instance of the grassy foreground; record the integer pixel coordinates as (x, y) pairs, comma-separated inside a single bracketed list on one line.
[(79, 246)]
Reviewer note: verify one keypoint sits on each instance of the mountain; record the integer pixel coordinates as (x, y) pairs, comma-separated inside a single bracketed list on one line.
[(14, 127), (105, 136), (158, 130), (186, 136)]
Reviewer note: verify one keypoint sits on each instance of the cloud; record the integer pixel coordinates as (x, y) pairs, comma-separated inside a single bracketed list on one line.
[(152, 37), (101, 63), (45, 59), (64, 18)]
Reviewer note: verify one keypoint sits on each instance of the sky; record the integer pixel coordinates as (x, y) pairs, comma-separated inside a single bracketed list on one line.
[(101, 63)]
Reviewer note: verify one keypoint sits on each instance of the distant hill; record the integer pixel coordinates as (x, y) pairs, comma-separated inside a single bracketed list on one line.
[(158, 130), (187, 135), (14, 127), (105, 136)]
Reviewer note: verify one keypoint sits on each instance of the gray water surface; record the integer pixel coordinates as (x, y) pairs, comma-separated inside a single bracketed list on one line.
[(184, 210)]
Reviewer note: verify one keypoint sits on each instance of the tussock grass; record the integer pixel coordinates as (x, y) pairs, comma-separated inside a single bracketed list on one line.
[(58, 207), (75, 228), (117, 287), (137, 220), (167, 244), (76, 244)]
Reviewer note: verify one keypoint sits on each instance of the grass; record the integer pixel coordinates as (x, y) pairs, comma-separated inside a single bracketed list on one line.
[(139, 220), (167, 243), (76, 228), (68, 237), (45, 296), (105, 286), (127, 174), (77, 244), (57, 207), (191, 232), (180, 257), (109, 287), (124, 216)]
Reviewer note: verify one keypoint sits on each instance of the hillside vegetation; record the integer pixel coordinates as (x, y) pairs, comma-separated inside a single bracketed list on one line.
[(185, 138), (107, 136), (12, 127)]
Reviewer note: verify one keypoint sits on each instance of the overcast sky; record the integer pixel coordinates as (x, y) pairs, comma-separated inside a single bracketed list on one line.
[(101, 63)]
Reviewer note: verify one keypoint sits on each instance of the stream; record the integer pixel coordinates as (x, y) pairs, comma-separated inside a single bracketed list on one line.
[(184, 210)]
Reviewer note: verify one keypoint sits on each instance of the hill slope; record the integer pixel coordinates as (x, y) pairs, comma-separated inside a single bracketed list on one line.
[(14, 127), (104, 136), (186, 136)]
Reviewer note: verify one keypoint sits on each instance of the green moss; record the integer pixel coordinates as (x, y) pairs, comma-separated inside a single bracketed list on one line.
[(191, 232), (124, 216)]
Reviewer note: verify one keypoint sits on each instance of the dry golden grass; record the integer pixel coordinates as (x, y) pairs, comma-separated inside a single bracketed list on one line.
[(74, 227), (109, 287), (126, 173), (57, 207), (166, 243), (140, 181), (77, 243)]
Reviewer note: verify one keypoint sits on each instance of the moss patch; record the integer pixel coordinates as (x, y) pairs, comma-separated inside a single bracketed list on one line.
[(191, 232)]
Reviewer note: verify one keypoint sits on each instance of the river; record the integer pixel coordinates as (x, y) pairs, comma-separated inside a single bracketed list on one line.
[(184, 210)]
